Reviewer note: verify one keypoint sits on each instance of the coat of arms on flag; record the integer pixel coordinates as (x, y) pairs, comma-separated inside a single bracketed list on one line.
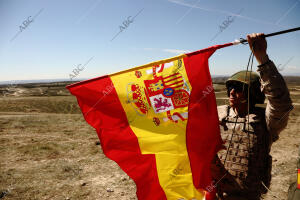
[(155, 123), (162, 93)]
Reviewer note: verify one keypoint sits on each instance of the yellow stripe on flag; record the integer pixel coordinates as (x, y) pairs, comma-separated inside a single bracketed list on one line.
[(152, 119)]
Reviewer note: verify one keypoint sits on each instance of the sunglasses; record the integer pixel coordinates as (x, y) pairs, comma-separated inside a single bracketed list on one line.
[(238, 87)]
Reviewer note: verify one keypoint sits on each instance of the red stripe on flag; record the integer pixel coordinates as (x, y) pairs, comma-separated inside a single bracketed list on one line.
[(102, 109), (203, 134)]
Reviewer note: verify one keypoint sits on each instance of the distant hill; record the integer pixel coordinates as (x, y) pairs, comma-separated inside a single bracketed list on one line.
[(288, 79), (17, 82), (292, 79)]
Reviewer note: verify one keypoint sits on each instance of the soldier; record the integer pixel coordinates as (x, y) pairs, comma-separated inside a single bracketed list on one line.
[(243, 167)]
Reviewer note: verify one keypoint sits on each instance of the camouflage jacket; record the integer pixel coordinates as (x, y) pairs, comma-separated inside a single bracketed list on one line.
[(248, 162)]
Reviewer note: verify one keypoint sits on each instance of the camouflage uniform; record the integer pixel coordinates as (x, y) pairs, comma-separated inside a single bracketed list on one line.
[(248, 162)]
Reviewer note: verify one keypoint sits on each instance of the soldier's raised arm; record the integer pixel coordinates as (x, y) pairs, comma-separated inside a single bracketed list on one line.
[(273, 85)]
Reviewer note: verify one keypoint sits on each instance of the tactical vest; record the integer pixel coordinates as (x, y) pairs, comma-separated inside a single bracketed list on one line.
[(248, 162)]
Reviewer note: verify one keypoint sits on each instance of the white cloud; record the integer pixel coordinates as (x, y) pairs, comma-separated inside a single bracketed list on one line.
[(292, 67), (173, 51)]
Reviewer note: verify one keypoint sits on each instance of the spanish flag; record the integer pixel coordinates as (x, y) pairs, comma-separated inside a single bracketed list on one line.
[(159, 123)]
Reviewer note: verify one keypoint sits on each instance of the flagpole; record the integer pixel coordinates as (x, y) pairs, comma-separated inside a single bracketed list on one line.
[(244, 41)]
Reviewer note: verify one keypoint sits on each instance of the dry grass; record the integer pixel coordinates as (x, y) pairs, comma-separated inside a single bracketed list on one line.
[(54, 156), (48, 151), (59, 104)]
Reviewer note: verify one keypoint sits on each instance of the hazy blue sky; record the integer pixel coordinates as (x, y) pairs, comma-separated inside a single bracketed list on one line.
[(66, 33)]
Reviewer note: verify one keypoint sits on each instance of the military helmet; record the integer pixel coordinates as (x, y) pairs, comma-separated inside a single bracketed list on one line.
[(246, 77), (243, 77)]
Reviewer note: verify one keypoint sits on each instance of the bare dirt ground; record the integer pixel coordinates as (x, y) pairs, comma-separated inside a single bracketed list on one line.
[(48, 151)]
